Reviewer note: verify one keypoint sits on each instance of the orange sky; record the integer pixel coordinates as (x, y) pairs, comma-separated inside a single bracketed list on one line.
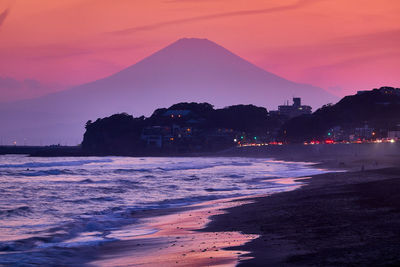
[(340, 45)]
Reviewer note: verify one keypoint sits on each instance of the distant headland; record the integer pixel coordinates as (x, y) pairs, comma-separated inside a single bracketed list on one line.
[(188, 128)]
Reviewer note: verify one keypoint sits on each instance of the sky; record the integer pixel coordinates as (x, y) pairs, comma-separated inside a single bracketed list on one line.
[(339, 45)]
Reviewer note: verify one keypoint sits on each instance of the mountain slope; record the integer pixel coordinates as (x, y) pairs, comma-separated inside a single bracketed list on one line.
[(187, 70)]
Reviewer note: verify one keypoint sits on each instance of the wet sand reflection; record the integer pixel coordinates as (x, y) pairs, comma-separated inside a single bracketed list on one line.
[(178, 241)]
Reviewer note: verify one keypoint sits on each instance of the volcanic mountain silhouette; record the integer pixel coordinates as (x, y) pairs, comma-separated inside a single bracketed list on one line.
[(190, 69)]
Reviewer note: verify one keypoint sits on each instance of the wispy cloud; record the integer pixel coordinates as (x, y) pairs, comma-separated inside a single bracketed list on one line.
[(298, 4), (3, 16)]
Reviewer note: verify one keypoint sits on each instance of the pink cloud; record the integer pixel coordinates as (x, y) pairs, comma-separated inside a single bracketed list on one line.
[(298, 4)]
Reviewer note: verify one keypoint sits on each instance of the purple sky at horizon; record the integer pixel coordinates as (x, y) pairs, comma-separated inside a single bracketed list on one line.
[(342, 46)]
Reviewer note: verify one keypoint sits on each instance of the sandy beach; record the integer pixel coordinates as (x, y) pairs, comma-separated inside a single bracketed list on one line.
[(176, 239), (337, 219)]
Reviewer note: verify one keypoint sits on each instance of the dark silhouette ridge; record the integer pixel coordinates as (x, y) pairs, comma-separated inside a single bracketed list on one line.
[(198, 127), (181, 128), (378, 110)]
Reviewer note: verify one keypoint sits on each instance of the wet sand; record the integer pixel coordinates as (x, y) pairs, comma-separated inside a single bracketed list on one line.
[(337, 219), (177, 241)]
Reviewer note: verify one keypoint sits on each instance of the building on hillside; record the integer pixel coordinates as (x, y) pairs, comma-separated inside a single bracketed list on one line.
[(336, 134), (364, 133), (389, 90), (154, 135), (393, 134), (383, 90), (177, 113), (161, 136), (294, 110)]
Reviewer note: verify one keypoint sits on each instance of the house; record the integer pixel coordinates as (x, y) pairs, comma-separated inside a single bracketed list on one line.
[(336, 133), (393, 134), (294, 110), (174, 114), (364, 133), (154, 135)]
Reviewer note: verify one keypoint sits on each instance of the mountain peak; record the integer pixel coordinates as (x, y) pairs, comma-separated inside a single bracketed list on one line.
[(190, 69), (193, 40), (191, 44)]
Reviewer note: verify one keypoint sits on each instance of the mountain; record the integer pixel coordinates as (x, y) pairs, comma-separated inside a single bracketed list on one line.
[(185, 71)]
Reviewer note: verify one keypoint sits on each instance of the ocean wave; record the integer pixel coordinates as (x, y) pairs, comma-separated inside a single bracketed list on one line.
[(92, 199), (102, 199), (221, 189), (191, 178), (20, 211), (184, 201), (121, 171), (129, 182), (60, 235), (86, 181), (197, 166), (38, 173), (47, 172), (233, 176), (55, 163)]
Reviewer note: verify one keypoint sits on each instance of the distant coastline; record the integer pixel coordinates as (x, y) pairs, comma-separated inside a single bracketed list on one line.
[(333, 155)]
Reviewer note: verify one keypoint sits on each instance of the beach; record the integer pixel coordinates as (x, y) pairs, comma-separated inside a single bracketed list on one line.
[(300, 209), (349, 217), (337, 219), (177, 241)]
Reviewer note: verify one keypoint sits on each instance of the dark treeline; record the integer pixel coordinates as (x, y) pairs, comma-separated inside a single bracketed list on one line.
[(378, 110), (183, 127), (192, 127)]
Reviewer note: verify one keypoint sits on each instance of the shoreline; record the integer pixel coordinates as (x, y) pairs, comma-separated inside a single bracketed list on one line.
[(178, 240), (181, 238), (334, 203), (291, 152), (337, 218)]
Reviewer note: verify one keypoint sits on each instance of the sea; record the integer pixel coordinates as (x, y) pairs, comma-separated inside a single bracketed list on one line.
[(54, 207)]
